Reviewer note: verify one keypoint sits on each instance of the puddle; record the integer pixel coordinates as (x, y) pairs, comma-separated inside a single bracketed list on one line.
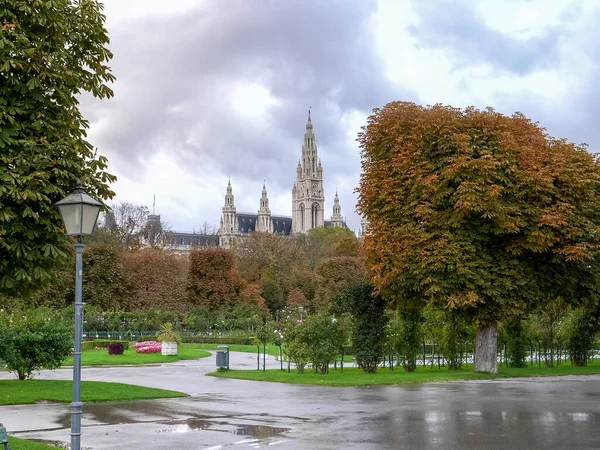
[(260, 431), (250, 430)]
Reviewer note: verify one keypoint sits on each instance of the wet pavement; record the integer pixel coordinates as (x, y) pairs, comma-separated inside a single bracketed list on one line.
[(541, 413)]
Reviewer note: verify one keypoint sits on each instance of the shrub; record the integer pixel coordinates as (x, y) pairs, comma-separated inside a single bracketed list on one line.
[(168, 334), (33, 340), (116, 348), (318, 339)]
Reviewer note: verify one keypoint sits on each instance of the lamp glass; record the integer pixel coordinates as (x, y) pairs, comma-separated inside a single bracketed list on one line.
[(89, 217), (71, 216)]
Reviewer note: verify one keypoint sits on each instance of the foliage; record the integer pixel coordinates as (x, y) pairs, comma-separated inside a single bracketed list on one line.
[(318, 339), (103, 279), (334, 275), (449, 330), (31, 340), (50, 53), (516, 338), (155, 279), (370, 320), (545, 325), (296, 298), (403, 335), (265, 334), (320, 244), (168, 334), (478, 212), (272, 292), (581, 328), (96, 320), (211, 278), (115, 348)]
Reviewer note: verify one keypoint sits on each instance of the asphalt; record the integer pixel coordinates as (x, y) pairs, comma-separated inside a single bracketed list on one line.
[(531, 413)]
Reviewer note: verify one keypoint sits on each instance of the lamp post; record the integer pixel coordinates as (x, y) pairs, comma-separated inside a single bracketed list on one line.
[(79, 213)]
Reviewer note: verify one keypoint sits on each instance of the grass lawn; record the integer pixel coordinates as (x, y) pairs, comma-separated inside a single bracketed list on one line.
[(16, 392), (24, 444), (356, 377), (102, 358)]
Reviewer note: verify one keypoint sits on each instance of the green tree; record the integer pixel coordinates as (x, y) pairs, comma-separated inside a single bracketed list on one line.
[(31, 340), (404, 335), (449, 330), (368, 332), (477, 212), (50, 52)]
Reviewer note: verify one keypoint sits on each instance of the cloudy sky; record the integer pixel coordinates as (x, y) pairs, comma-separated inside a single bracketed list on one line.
[(208, 89)]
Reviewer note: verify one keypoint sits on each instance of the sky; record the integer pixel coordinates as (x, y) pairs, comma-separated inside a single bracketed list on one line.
[(209, 90)]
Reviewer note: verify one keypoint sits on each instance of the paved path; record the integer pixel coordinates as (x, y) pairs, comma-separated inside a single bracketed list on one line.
[(542, 413)]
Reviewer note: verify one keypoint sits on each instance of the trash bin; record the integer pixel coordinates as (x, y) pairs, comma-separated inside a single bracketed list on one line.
[(223, 357)]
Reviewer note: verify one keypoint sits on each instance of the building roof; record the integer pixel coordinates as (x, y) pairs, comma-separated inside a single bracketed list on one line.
[(193, 239), (247, 223)]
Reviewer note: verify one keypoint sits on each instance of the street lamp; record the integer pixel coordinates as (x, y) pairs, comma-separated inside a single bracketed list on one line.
[(79, 213)]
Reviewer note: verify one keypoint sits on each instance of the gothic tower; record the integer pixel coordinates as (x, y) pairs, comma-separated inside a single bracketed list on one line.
[(264, 223), (228, 228), (308, 196), (336, 219)]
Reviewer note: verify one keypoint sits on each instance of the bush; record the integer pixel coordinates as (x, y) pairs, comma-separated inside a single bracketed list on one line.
[(33, 340), (318, 339), (168, 334), (116, 348)]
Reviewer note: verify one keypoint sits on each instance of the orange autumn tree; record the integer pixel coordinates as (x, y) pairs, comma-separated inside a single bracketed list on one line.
[(477, 212), (211, 279)]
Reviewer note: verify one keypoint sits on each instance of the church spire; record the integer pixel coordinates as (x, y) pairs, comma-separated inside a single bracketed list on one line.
[(228, 219), (336, 219), (308, 197), (264, 213)]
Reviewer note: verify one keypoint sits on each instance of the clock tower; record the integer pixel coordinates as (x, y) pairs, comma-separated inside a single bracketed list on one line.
[(308, 196)]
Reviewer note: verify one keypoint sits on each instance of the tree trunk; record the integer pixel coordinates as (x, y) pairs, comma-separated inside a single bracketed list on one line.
[(486, 349)]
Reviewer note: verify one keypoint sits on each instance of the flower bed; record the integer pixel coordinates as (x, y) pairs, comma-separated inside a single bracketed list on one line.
[(148, 347)]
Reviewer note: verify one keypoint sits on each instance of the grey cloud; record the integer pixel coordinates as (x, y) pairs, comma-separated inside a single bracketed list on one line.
[(456, 26), (174, 72), (573, 116)]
